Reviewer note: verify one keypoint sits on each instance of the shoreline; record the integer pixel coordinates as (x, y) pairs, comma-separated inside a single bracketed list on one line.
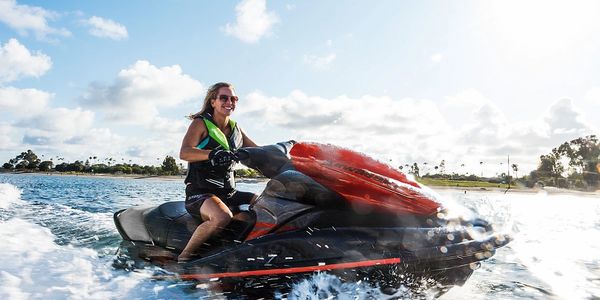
[(547, 190), (125, 176), (520, 190)]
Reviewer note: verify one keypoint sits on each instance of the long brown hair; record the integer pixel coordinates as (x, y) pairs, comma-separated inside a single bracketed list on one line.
[(211, 94)]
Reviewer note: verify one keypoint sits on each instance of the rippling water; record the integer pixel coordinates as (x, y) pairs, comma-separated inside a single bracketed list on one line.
[(60, 243)]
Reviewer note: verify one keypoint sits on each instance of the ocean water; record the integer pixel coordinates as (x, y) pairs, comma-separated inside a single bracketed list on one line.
[(59, 242)]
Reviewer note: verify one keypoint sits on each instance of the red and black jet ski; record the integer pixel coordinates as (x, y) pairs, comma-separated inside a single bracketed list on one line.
[(325, 209)]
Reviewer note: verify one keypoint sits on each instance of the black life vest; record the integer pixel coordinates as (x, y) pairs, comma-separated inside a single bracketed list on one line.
[(204, 175)]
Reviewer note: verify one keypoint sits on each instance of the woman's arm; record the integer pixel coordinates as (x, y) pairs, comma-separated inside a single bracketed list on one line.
[(195, 133)]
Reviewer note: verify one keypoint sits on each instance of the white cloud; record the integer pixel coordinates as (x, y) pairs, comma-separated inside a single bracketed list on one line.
[(16, 62), (564, 119), (469, 98), (593, 95), (253, 21), (163, 125), (25, 19), (349, 121), (70, 133), (437, 57), (137, 93), (488, 134), (154, 147), (320, 62), (64, 121), (412, 130), (106, 28), (24, 102), (6, 140)]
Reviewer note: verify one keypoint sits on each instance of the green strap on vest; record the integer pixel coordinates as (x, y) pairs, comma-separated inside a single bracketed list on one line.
[(216, 133)]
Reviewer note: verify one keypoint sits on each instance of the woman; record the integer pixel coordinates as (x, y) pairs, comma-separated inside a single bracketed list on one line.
[(208, 147)]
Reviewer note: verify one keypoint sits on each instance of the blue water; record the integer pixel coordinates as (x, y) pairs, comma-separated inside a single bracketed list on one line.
[(59, 242)]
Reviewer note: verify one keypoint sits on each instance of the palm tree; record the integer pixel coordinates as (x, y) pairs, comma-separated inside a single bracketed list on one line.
[(481, 164)]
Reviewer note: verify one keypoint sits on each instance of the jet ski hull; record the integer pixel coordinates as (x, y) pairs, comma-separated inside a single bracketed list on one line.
[(385, 255), (396, 234)]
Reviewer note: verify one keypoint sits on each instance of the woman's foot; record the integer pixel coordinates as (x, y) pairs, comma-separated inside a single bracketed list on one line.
[(185, 257)]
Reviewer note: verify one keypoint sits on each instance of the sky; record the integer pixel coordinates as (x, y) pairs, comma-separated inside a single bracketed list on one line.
[(468, 82)]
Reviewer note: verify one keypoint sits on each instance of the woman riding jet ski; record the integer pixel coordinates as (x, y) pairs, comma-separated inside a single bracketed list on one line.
[(324, 209)]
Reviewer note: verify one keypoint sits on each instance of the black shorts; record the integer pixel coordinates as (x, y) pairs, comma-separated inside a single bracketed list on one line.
[(194, 197)]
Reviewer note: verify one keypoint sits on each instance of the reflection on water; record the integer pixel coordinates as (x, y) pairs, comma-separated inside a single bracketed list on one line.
[(555, 251), (60, 241)]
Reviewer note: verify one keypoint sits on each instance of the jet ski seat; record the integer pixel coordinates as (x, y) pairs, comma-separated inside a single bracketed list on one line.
[(171, 226)]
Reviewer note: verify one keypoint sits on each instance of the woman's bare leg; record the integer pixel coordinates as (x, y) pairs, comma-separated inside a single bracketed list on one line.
[(216, 216)]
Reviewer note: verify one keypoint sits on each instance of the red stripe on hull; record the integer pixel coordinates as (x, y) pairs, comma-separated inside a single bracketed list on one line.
[(358, 264)]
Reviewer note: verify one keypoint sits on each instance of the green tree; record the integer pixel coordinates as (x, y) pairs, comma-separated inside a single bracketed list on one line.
[(169, 166), (76, 166), (151, 170), (583, 156), (22, 165), (550, 166), (414, 169), (515, 168), (46, 166), (25, 160), (442, 167), (247, 173)]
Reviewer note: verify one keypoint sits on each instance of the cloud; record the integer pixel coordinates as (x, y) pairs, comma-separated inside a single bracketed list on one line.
[(137, 93), (99, 142), (163, 125), (564, 119), (399, 124), (106, 28), (593, 95), (16, 62), (24, 102), (488, 134), (320, 62), (155, 147), (25, 19), (63, 121), (469, 98), (437, 57), (6, 140), (70, 133), (410, 130), (36, 140), (253, 21)]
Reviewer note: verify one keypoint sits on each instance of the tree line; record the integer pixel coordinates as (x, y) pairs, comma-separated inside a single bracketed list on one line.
[(29, 161), (574, 164)]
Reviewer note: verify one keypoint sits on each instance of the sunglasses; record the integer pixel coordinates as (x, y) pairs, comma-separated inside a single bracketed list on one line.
[(224, 98)]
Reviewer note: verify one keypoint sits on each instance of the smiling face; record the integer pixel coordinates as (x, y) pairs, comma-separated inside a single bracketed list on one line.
[(225, 101)]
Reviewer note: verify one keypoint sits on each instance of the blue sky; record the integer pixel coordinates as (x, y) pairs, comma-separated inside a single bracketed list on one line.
[(420, 81)]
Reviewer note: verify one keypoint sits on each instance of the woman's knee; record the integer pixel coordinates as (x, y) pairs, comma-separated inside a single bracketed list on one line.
[(223, 219), (215, 211)]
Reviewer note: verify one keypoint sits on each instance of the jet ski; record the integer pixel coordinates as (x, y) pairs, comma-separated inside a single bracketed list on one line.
[(324, 209)]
